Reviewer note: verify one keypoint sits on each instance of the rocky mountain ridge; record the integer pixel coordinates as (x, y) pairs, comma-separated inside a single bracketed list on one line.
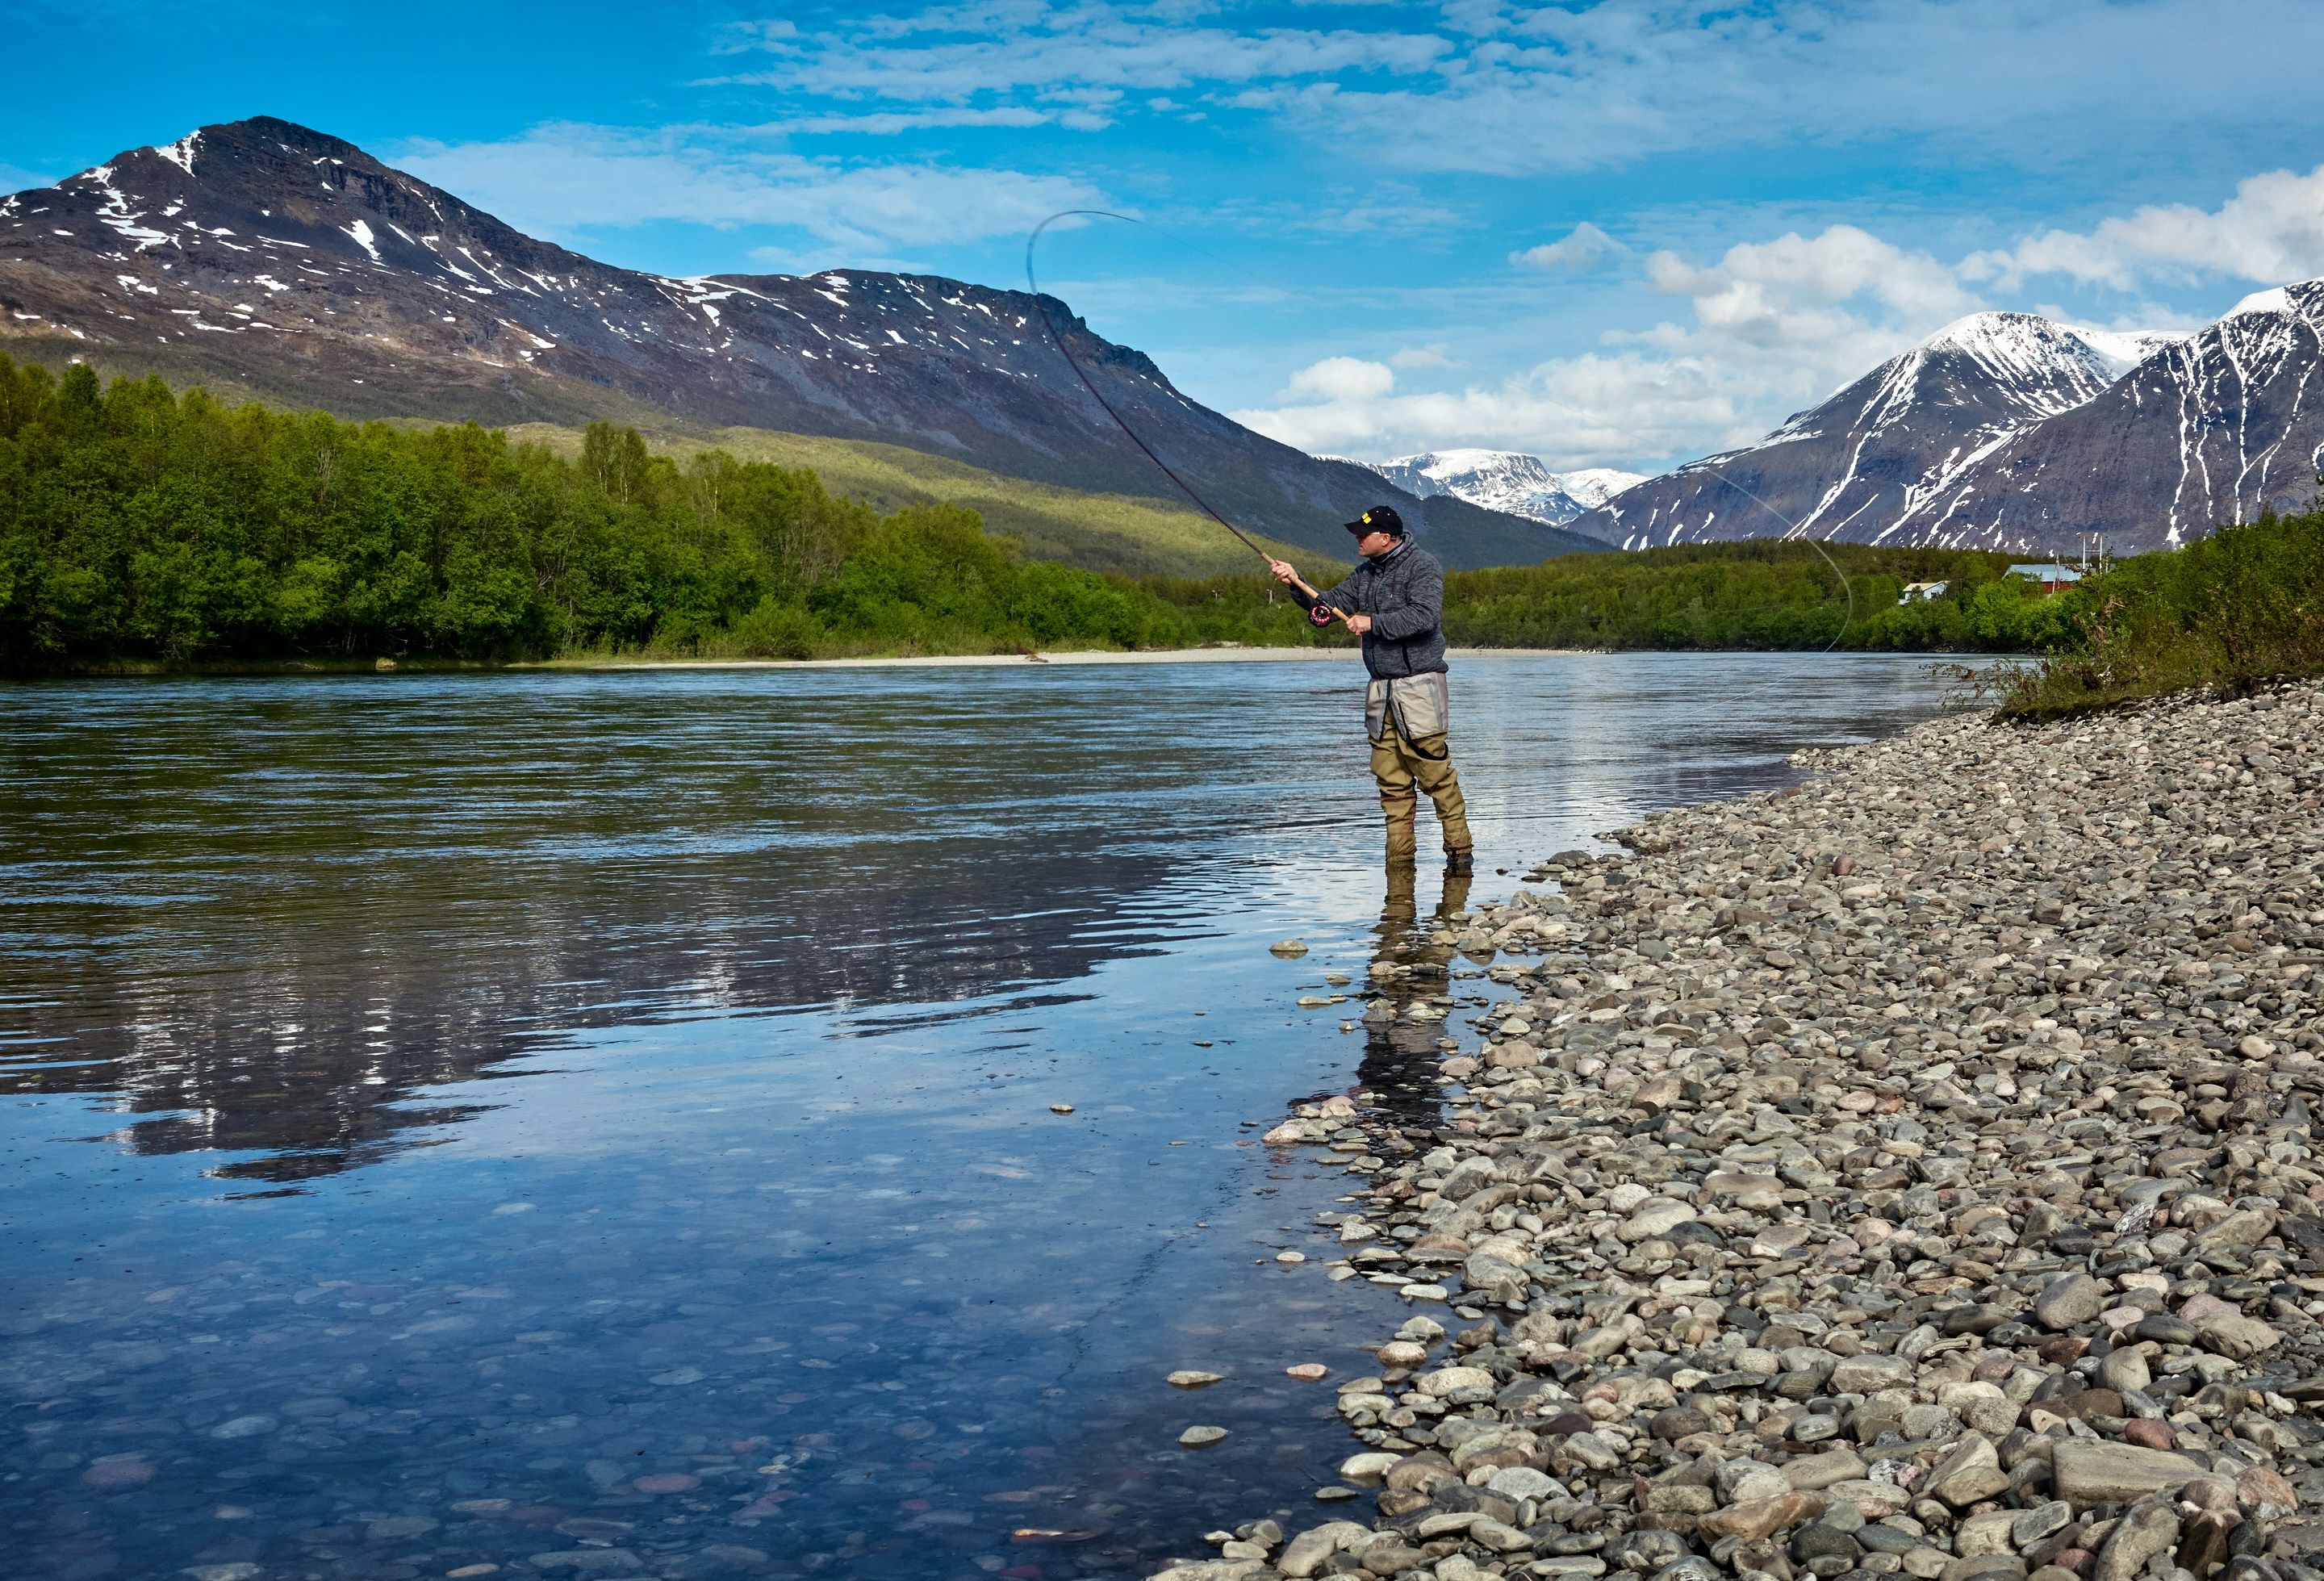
[(265, 258), (2008, 431)]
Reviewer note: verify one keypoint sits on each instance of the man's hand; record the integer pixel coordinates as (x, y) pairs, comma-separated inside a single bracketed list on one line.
[(1358, 623), (1285, 571)]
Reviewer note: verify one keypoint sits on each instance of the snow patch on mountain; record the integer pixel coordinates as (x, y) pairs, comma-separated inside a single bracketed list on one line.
[(182, 153), (1505, 480), (2126, 348)]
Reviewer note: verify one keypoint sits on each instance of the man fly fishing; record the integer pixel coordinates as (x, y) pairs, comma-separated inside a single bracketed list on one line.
[(1395, 600)]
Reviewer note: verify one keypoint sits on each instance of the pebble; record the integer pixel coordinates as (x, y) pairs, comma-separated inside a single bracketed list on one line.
[(1308, 1371), (1195, 1437), (1290, 950), (1061, 1108), (1910, 1170), (1190, 1378)]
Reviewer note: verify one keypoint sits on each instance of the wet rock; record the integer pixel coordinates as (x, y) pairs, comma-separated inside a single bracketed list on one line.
[(1305, 1554), (1199, 1436)]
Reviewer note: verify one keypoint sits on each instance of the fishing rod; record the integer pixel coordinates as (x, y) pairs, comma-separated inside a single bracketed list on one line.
[(1040, 306)]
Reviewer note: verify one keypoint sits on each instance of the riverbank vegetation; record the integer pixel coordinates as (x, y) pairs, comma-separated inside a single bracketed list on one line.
[(140, 527), (2224, 613)]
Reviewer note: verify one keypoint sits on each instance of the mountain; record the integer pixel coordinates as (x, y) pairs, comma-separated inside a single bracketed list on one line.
[(266, 259), (1866, 465), (2222, 426), (1505, 480)]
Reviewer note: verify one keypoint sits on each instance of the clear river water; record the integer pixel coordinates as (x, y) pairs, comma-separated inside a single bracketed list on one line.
[(600, 1123)]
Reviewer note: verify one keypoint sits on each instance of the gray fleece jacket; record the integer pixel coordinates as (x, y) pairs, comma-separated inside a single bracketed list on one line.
[(1403, 591)]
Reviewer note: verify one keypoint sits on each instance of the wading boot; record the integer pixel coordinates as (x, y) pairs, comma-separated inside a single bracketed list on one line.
[(1461, 861)]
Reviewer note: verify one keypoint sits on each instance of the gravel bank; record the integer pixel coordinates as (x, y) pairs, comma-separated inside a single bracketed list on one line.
[(1912, 1171)]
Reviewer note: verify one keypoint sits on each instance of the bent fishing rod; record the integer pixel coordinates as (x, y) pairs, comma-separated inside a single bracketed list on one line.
[(1040, 306)]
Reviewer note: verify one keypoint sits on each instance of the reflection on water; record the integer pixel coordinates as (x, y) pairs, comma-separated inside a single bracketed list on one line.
[(456, 1120)]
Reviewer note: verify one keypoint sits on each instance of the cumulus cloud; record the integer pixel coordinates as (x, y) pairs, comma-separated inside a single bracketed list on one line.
[(2271, 232), (1770, 327), (1802, 290), (558, 177), (1341, 378), (1579, 251)]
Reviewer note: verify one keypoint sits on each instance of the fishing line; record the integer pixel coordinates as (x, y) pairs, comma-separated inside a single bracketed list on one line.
[(1057, 340), (1798, 532)]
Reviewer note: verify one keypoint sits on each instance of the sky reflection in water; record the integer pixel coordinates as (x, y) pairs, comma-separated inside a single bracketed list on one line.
[(459, 1119)]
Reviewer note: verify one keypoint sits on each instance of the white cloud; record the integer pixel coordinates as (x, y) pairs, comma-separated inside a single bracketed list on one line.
[(954, 53), (563, 177), (1482, 86), (1579, 250), (2271, 232), (1772, 327), (1557, 88), (1794, 288), (887, 122), (1341, 378)]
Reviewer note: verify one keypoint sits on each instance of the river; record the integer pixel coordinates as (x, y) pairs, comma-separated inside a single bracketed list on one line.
[(604, 1122)]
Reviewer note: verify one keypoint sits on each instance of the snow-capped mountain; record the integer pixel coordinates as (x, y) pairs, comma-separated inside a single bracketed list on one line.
[(1505, 480), (2217, 427), (1868, 464), (264, 258)]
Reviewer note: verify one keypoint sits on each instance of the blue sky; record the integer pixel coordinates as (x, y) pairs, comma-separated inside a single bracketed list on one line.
[(1617, 233)]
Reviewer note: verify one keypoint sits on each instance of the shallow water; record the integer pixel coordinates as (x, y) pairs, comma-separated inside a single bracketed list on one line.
[(601, 1123)]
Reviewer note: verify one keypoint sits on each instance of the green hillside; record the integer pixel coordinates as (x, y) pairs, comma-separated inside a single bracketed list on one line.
[(1096, 532)]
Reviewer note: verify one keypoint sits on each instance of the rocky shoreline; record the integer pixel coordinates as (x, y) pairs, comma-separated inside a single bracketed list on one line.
[(1912, 1171)]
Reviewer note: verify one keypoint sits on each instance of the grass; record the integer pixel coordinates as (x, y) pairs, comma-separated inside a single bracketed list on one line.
[(1120, 534)]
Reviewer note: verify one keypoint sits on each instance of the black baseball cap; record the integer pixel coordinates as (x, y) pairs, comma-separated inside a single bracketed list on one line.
[(1378, 518)]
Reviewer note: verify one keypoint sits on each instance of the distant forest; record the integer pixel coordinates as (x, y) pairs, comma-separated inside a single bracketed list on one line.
[(139, 527)]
